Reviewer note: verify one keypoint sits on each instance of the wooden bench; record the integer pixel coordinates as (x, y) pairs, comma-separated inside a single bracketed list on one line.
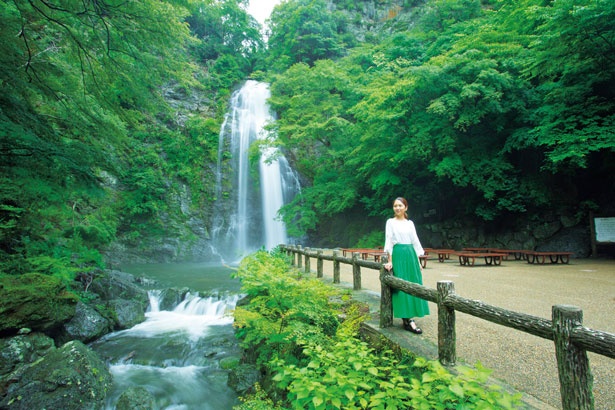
[(519, 254), (443, 254), (554, 257), (491, 258)]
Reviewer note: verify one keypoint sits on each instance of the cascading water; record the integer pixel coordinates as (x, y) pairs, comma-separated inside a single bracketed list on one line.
[(246, 211), (175, 354)]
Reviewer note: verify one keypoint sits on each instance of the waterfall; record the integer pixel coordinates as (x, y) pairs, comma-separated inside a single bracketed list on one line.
[(249, 196)]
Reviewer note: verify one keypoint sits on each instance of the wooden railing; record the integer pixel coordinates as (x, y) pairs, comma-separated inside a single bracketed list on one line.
[(572, 340)]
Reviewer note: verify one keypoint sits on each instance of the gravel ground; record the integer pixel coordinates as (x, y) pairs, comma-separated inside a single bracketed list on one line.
[(522, 361)]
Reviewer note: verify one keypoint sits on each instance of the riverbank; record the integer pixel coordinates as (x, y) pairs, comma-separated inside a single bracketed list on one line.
[(525, 362)]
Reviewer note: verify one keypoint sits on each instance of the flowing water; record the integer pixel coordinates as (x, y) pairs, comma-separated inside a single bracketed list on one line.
[(249, 195), (175, 354)]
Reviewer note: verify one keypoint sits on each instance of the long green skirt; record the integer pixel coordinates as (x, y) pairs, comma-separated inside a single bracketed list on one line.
[(406, 267)]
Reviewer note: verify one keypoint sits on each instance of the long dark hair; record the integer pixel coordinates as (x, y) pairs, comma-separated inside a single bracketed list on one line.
[(403, 201)]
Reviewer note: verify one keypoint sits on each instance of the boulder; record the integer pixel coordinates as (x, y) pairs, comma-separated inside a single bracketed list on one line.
[(119, 285), (128, 313), (171, 297), (86, 325), (136, 398), (71, 377), (36, 301), (243, 377), (23, 349)]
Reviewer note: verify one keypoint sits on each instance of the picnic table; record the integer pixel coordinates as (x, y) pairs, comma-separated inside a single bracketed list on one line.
[(554, 257), (443, 254), (491, 258), (518, 254)]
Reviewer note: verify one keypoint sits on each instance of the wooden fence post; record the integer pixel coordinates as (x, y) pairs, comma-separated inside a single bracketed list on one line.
[(307, 260), (319, 264), (299, 259), (447, 338), (336, 267), (356, 271), (386, 298), (575, 376)]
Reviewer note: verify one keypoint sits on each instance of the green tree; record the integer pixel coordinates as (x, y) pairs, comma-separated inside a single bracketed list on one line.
[(316, 131), (75, 79), (571, 62), (303, 31), (230, 43)]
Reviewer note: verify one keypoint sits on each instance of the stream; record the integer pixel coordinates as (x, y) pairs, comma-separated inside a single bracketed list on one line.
[(175, 354)]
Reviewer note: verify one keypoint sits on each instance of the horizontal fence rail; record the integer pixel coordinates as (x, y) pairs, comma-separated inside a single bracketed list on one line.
[(572, 340)]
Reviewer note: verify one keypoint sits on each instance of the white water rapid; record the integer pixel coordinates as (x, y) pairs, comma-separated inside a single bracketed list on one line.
[(175, 354), (250, 197)]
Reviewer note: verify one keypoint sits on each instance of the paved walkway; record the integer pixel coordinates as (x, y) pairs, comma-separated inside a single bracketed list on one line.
[(522, 361)]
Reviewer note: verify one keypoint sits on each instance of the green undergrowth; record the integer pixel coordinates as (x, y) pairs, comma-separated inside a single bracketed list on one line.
[(303, 335)]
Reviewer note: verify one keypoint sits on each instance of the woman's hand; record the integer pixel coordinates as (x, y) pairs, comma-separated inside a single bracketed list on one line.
[(388, 266)]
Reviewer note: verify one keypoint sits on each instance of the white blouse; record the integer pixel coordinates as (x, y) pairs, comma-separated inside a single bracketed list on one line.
[(401, 231)]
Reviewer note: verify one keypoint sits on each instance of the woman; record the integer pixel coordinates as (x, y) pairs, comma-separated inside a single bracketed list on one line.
[(403, 248)]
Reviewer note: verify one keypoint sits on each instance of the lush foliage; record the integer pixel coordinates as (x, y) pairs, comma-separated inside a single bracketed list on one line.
[(95, 142), (289, 328), (304, 31), (285, 310), (494, 109)]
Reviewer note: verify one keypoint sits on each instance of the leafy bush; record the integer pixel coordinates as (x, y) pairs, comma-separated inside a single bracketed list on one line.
[(290, 325), (285, 311)]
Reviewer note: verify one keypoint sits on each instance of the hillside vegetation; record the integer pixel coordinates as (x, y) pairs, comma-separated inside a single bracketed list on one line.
[(488, 111)]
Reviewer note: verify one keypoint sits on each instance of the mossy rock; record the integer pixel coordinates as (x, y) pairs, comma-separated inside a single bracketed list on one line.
[(71, 377), (136, 398), (230, 362), (36, 301)]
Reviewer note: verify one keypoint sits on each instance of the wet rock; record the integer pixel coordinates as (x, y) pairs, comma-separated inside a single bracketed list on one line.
[(136, 398), (119, 285), (23, 349), (243, 377), (35, 301), (171, 297), (71, 377), (86, 325), (128, 313)]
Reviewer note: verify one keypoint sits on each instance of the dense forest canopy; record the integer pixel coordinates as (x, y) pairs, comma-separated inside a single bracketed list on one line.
[(110, 111), (485, 108)]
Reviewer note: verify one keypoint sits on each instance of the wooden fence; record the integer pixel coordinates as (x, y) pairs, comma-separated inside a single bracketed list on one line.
[(572, 340)]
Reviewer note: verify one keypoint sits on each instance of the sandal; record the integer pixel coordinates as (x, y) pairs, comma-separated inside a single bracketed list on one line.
[(410, 326)]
